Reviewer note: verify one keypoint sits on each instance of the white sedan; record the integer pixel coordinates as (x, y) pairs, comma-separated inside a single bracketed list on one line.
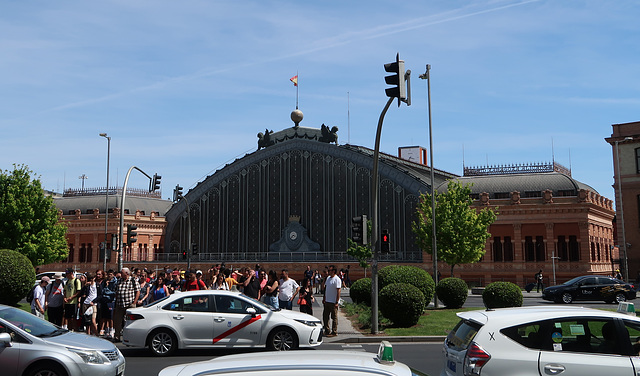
[(308, 363), (217, 319)]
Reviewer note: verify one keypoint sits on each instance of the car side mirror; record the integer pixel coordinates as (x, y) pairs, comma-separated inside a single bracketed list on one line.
[(5, 340), (252, 311)]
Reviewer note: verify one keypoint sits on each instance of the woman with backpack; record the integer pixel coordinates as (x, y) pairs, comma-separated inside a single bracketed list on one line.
[(54, 300)]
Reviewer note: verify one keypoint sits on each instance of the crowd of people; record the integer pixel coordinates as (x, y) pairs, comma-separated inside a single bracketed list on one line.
[(97, 302)]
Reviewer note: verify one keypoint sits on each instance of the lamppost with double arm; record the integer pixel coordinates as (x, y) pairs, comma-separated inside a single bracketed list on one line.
[(106, 209)]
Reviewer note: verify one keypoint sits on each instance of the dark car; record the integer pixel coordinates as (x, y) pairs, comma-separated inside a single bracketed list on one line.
[(590, 287)]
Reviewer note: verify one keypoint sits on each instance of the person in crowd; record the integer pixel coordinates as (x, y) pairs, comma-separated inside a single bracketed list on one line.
[(176, 283), (308, 273), (345, 279), (201, 281), (159, 288), (220, 283), (317, 281), (251, 284), (330, 302), (539, 281), (107, 291), (287, 290), (38, 303), (270, 290), (262, 278), (54, 301), (143, 299), (231, 282), (127, 295), (193, 283), (72, 290), (306, 297), (89, 307)]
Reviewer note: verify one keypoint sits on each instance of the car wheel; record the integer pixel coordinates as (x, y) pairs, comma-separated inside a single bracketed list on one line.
[(282, 339), (567, 298), (162, 342), (47, 369), (620, 298)]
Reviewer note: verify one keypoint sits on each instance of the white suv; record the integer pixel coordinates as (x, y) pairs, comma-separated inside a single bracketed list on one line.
[(543, 341)]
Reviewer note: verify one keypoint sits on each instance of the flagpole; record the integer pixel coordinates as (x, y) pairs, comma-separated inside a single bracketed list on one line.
[(297, 88)]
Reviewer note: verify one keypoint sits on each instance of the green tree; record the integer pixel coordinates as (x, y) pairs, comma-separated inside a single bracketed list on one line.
[(29, 220), (461, 231), (362, 253)]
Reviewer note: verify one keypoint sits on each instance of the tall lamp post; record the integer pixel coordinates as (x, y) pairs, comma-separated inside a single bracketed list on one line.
[(624, 236), (106, 209), (434, 243)]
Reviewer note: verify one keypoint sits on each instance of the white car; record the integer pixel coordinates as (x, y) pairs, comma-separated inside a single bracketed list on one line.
[(543, 341), (307, 363), (217, 318), (32, 346)]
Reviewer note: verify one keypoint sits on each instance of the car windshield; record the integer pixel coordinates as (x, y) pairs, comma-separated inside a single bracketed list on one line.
[(157, 301), (30, 323), (259, 303), (572, 281)]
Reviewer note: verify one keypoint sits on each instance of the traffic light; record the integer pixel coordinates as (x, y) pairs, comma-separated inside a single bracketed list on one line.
[(359, 229), (194, 249), (131, 234), (397, 79), (155, 183), (184, 255), (177, 193), (384, 244)]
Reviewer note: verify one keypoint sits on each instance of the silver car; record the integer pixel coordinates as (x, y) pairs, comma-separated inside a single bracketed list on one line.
[(31, 346)]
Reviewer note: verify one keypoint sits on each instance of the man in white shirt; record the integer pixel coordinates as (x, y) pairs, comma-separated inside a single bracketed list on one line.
[(287, 290), (37, 304), (330, 302)]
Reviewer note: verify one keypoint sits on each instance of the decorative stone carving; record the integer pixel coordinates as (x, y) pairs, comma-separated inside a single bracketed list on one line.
[(547, 196), (515, 198), (77, 213), (328, 136), (294, 238), (484, 198), (96, 213), (582, 195), (264, 139), (116, 212)]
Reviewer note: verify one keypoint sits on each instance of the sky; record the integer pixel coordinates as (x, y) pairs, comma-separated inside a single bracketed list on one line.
[(183, 87)]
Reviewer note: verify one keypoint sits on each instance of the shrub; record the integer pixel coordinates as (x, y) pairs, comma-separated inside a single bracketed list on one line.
[(360, 291), (411, 275), (452, 292), (501, 295), (402, 303), (18, 276)]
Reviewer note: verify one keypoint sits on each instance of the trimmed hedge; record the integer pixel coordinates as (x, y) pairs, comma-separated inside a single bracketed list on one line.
[(360, 291), (502, 295), (18, 276), (411, 275), (452, 292), (402, 303)]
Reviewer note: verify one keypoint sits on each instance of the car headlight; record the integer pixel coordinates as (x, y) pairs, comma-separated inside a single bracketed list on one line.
[(308, 322), (88, 356)]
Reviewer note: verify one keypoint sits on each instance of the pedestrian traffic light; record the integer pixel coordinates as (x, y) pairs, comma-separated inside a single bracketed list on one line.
[(184, 255), (177, 193), (131, 234), (359, 227), (397, 79), (155, 183), (194, 249), (384, 244)]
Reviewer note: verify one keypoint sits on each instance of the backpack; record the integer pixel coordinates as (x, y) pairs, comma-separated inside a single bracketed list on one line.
[(30, 294)]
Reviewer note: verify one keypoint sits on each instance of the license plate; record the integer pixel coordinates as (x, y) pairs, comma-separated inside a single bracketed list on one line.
[(120, 370), (452, 365)]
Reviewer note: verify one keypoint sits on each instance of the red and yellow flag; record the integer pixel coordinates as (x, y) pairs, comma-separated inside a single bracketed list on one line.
[(294, 79)]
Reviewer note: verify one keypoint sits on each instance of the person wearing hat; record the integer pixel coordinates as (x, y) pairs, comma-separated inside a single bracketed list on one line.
[(37, 304), (618, 274), (54, 301)]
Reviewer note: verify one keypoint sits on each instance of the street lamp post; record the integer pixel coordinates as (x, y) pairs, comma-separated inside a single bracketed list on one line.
[(624, 237), (434, 244), (105, 250)]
